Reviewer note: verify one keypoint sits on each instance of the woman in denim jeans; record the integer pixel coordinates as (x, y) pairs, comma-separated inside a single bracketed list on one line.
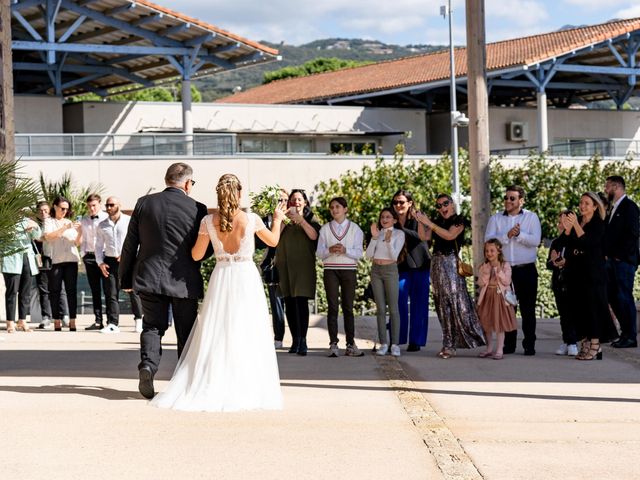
[(386, 244)]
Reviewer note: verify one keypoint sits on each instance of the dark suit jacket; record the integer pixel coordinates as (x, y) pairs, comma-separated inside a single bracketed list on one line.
[(623, 232), (156, 255)]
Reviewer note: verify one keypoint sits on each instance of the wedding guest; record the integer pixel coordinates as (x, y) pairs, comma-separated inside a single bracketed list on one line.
[(622, 258), (456, 311), (89, 227), (386, 244), (340, 248), (110, 237), (495, 313), (296, 264), (556, 262), (413, 299), (18, 270), (586, 274), (519, 232), (62, 237), (271, 279)]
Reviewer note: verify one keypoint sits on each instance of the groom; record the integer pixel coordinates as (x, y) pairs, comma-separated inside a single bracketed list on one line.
[(156, 263)]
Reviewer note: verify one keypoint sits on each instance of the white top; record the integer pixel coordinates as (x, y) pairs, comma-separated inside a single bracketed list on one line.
[(615, 206), (518, 250), (89, 229), (380, 250), (348, 234), (110, 237), (61, 249)]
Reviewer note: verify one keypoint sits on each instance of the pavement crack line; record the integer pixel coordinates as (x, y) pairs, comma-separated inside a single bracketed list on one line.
[(452, 460)]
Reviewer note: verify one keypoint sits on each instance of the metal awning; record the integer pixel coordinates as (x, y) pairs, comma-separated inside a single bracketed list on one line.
[(69, 47)]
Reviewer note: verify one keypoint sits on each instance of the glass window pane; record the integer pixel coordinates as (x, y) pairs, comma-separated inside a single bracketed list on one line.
[(273, 145), (300, 146), (251, 145)]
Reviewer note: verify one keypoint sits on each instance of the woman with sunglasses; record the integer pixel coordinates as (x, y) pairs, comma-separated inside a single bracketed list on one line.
[(296, 264), (61, 237), (413, 269), (456, 312)]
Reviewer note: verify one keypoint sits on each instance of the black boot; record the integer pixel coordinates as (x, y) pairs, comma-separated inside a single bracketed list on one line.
[(295, 345), (302, 349)]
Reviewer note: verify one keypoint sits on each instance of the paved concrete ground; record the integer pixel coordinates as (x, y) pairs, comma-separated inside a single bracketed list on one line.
[(71, 410)]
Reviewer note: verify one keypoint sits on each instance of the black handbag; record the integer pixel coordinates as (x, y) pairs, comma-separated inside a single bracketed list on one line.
[(270, 274)]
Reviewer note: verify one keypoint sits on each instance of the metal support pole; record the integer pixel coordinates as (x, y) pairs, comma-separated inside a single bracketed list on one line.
[(454, 108), (187, 118), (543, 131)]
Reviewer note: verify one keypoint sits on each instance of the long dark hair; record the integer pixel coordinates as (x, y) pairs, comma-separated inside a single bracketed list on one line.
[(409, 197), (393, 214), (57, 201)]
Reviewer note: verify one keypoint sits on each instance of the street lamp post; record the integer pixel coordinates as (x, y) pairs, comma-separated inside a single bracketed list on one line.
[(445, 11)]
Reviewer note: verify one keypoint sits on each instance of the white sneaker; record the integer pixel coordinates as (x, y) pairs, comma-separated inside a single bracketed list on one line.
[(564, 349), (572, 350), (110, 328), (277, 343), (138, 328), (334, 351), (395, 350), (382, 350)]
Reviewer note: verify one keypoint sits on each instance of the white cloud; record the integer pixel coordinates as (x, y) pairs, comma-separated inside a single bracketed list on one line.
[(630, 12), (517, 13), (596, 4)]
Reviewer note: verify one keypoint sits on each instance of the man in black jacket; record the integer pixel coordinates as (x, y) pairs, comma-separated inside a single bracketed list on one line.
[(156, 263), (622, 253)]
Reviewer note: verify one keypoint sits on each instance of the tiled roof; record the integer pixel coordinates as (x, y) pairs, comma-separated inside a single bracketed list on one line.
[(421, 69), (208, 26)]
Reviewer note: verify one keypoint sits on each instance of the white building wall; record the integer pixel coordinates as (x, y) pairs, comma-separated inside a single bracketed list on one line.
[(132, 117), (38, 114)]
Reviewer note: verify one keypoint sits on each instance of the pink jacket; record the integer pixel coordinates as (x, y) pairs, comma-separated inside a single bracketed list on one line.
[(484, 275)]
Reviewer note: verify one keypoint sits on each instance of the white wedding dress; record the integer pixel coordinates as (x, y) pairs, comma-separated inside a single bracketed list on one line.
[(229, 362)]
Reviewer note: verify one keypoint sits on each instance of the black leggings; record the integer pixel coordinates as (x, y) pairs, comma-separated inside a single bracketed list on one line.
[(66, 273), (297, 311), (19, 285)]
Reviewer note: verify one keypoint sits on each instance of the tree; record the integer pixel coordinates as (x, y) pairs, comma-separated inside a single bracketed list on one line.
[(152, 94), (318, 65)]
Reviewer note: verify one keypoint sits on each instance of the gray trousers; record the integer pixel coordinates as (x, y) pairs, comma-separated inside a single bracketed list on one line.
[(340, 284), (384, 283)]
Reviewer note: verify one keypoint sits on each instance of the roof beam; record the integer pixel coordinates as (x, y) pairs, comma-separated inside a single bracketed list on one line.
[(120, 24), (181, 27), (97, 48), (192, 42), (72, 28), (225, 48), (91, 69), (26, 25), (556, 85), (616, 54), (94, 34), (148, 19), (122, 8), (25, 4), (598, 69)]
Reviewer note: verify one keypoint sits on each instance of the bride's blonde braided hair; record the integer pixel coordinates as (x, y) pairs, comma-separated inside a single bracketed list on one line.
[(227, 189)]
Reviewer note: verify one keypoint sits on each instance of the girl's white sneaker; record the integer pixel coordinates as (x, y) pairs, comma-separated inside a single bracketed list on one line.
[(383, 349), (564, 348)]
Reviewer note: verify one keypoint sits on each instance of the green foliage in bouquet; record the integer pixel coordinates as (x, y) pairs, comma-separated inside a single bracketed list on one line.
[(266, 200)]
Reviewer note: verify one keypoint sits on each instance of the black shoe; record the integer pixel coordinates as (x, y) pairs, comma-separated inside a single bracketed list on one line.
[(145, 386), (294, 346), (302, 349), (508, 350), (94, 326), (412, 347), (529, 352), (625, 343)]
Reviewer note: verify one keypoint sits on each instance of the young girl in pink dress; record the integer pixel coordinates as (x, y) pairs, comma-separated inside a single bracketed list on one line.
[(495, 314)]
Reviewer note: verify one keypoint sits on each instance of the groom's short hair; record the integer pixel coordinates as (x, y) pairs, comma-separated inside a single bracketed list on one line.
[(178, 173)]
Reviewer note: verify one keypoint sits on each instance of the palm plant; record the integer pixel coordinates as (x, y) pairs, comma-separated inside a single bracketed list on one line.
[(66, 188), (18, 194)]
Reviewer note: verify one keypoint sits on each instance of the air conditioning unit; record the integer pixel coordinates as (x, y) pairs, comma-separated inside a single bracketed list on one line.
[(517, 131)]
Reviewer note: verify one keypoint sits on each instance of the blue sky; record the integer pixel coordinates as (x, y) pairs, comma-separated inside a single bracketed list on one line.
[(395, 21)]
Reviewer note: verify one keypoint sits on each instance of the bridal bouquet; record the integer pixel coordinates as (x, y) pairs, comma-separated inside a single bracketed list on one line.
[(266, 200)]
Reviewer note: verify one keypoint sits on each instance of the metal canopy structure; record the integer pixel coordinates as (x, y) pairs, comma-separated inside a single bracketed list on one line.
[(69, 47)]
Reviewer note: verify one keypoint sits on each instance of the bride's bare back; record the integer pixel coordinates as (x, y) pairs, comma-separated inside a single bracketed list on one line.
[(231, 240)]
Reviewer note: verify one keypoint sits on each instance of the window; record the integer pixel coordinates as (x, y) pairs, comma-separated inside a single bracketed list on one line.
[(300, 145), (358, 148)]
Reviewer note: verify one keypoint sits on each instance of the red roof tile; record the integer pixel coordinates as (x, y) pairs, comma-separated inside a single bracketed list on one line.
[(431, 67)]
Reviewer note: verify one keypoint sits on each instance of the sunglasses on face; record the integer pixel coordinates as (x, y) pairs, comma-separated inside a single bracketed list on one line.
[(109, 205), (446, 203), (64, 209), (398, 202), (512, 198)]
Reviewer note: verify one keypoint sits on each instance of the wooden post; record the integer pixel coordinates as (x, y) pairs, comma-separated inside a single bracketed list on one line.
[(478, 125), (7, 128)]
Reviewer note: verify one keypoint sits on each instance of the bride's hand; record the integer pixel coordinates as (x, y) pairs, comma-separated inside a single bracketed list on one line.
[(279, 212)]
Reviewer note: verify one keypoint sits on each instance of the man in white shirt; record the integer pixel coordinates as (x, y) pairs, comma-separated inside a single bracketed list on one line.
[(89, 225), (110, 238), (519, 232)]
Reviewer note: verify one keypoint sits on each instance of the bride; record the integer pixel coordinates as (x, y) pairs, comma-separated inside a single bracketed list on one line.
[(229, 362)]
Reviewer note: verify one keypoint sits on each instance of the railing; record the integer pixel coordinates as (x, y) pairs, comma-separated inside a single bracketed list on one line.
[(137, 144), (610, 147)]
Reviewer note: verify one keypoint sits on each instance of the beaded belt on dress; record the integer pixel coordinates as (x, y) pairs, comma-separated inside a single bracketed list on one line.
[(234, 258)]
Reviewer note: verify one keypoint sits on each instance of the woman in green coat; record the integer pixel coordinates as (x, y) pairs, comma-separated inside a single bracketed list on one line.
[(18, 270), (296, 264)]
